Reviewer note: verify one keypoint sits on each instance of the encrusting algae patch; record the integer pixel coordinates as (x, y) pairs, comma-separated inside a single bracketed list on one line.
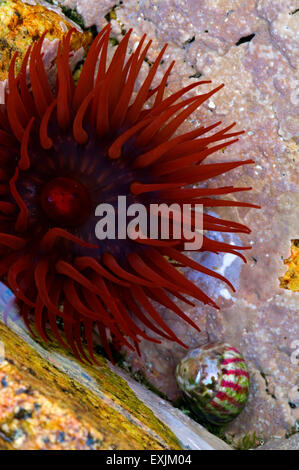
[(291, 278), (22, 23)]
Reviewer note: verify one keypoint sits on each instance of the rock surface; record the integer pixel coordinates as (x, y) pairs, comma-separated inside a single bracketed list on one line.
[(251, 46), (50, 401), (93, 12), (292, 443)]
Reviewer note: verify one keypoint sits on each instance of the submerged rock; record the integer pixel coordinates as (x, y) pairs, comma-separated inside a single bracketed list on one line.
[(49, 400)]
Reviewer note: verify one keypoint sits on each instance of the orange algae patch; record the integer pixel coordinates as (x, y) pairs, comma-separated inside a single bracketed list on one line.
[(291, 278), (22, 23)]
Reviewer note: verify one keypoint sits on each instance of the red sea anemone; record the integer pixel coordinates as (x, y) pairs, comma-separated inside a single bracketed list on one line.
[(62, 153)]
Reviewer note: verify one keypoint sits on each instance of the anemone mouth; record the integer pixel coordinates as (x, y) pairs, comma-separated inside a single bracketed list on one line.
[(65, 151), (66, 201)]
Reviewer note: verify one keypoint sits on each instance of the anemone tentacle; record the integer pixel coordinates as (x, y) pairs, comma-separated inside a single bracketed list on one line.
[(65, 150)]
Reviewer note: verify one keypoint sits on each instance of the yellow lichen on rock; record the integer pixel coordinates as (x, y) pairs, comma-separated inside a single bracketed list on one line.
[(22, 23), (50, 401), (291, 278)]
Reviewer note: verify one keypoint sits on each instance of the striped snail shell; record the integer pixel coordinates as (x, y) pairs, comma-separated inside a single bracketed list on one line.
[(214, 381)]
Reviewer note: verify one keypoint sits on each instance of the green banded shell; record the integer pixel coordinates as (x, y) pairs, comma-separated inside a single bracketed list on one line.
[(215, 382)]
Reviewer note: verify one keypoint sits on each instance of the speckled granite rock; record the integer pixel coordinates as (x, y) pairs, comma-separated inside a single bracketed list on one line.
[(292, 443), (50, 401), (262, 95), (93, 11)]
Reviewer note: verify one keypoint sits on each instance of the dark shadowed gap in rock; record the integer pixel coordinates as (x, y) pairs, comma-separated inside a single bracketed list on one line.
[(267, 385), (196, 75), (292, 405), (189, 41), (295, 11), (112, 11), (245, 39)]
